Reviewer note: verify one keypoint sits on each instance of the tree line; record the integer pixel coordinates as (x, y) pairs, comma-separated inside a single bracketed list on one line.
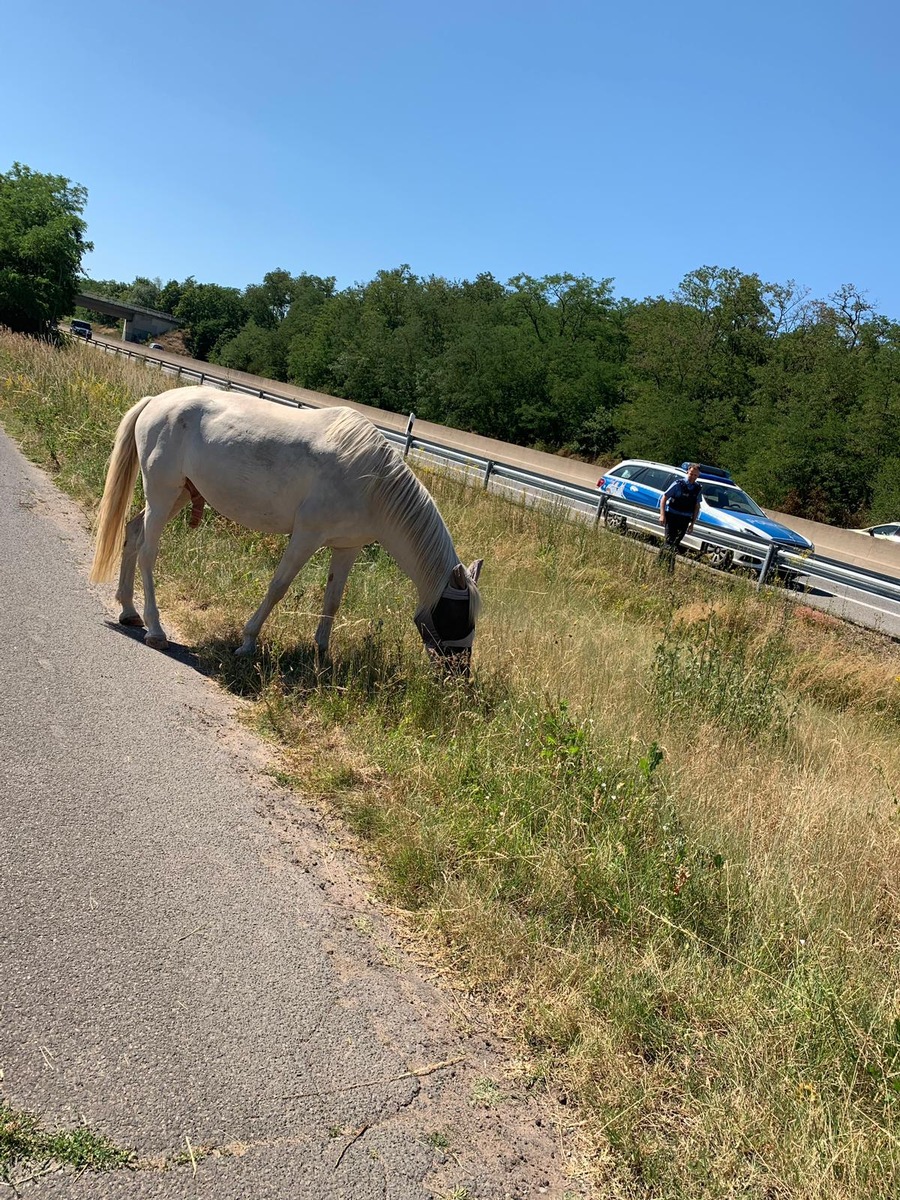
[(799, 397)]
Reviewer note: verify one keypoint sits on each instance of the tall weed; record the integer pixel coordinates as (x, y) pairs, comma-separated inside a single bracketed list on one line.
[(719, 672)]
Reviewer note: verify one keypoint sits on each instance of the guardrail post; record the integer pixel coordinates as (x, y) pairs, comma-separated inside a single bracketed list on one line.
[(488, 471), (409, 435), (202, 378), (767, 565), (601, 508), (178, 372)]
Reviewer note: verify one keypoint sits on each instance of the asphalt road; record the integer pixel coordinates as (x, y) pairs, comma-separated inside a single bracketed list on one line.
[(187, 958)]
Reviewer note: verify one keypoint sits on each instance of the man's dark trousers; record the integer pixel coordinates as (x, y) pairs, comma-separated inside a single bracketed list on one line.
[(676, 527)]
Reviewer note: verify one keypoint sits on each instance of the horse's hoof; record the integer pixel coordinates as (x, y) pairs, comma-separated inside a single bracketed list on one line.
[(245, 651), (157, 641), (132, 619)]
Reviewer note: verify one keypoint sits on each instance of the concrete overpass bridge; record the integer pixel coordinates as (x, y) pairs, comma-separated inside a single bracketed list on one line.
[(138, 323)]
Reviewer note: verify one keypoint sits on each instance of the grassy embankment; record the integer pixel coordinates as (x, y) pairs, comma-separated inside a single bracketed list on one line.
[(659, 831)]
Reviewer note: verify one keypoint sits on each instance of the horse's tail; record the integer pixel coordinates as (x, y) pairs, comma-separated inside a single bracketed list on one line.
[(121, 477)]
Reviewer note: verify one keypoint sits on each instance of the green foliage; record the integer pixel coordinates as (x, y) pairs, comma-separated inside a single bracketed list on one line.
[(212, 315), (146, 293), (25, 1143), (281, 295), (41, 246), (716, 672), (170, 295), (281, 309), (115, 289), (799, 398), (692, 362), (886, 491), (255, 349)]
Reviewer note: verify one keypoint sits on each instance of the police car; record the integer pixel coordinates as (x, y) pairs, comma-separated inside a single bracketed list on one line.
[(723, 507)]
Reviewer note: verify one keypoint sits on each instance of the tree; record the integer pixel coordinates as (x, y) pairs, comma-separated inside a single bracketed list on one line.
[(170, 295), (268, 302), (693, 362), (255, 349), (572, 332), (41, 246), (212, 316), (363, 343), (144, 292), (279, 309), (800, 453)]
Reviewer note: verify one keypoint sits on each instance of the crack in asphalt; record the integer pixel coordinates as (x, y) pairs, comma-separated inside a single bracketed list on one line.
[(412, 1073)]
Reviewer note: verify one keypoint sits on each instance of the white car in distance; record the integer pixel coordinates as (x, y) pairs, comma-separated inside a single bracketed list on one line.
[(890, 532)]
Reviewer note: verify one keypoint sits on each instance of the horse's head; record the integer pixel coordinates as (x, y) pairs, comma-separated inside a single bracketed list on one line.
[(448, 628)]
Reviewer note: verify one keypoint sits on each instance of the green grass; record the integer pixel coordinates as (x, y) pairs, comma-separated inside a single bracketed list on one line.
[(658, 832), (28, 1150)]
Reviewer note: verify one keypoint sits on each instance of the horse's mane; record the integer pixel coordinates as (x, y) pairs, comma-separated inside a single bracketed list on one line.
[(391, 487)]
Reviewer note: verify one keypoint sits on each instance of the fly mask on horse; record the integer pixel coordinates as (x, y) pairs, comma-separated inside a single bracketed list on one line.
[(448, 629)]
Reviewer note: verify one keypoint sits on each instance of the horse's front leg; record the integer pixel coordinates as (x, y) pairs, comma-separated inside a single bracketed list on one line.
[(299, 550), (341, 563)]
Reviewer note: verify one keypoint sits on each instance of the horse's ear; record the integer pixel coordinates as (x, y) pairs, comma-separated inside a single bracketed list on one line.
[(475, 569), (458, 577)]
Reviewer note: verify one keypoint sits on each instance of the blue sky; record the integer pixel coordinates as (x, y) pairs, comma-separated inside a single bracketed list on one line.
[(633, 142)]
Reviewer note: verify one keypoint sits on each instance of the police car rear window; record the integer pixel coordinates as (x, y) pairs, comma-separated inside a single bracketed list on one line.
[(656, 478)]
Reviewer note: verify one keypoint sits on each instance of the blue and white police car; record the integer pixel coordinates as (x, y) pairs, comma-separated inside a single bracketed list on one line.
[(723, 506)]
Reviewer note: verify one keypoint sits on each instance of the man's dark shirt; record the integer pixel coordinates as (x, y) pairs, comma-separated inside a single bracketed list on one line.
[(682, 498)]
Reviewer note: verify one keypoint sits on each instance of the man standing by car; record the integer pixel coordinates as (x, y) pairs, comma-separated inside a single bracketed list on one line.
[(678, 509)]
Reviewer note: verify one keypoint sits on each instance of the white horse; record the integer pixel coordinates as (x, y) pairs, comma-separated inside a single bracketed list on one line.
[(326, 477)]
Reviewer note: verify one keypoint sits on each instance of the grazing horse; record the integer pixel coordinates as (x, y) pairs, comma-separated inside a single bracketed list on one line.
[(325, 477)]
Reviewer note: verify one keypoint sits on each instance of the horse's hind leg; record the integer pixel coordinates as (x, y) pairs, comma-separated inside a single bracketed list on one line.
[(300, 548), (134, 538), (341, 562)]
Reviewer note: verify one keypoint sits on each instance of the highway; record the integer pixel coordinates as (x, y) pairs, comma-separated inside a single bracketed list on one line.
[(840, 600)]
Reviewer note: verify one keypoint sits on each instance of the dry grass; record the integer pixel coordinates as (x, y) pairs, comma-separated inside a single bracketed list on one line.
[(659, 831)]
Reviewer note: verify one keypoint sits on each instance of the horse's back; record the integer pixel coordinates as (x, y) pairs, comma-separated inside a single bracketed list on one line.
[(253, 460), (236, 415)]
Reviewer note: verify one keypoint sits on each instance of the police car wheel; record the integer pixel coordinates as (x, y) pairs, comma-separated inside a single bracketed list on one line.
[(717, 556), (615, 521)]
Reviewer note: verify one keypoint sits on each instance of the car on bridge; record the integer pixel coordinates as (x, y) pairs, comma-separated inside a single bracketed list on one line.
[(81, 329), (724, 508)]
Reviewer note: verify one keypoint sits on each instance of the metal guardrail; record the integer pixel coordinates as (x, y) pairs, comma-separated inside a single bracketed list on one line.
[(772, 557)]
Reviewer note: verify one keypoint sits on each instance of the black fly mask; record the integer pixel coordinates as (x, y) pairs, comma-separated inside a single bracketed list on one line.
[(448, 630)]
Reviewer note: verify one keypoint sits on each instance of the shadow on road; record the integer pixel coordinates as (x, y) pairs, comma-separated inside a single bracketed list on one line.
[(182, 654)]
